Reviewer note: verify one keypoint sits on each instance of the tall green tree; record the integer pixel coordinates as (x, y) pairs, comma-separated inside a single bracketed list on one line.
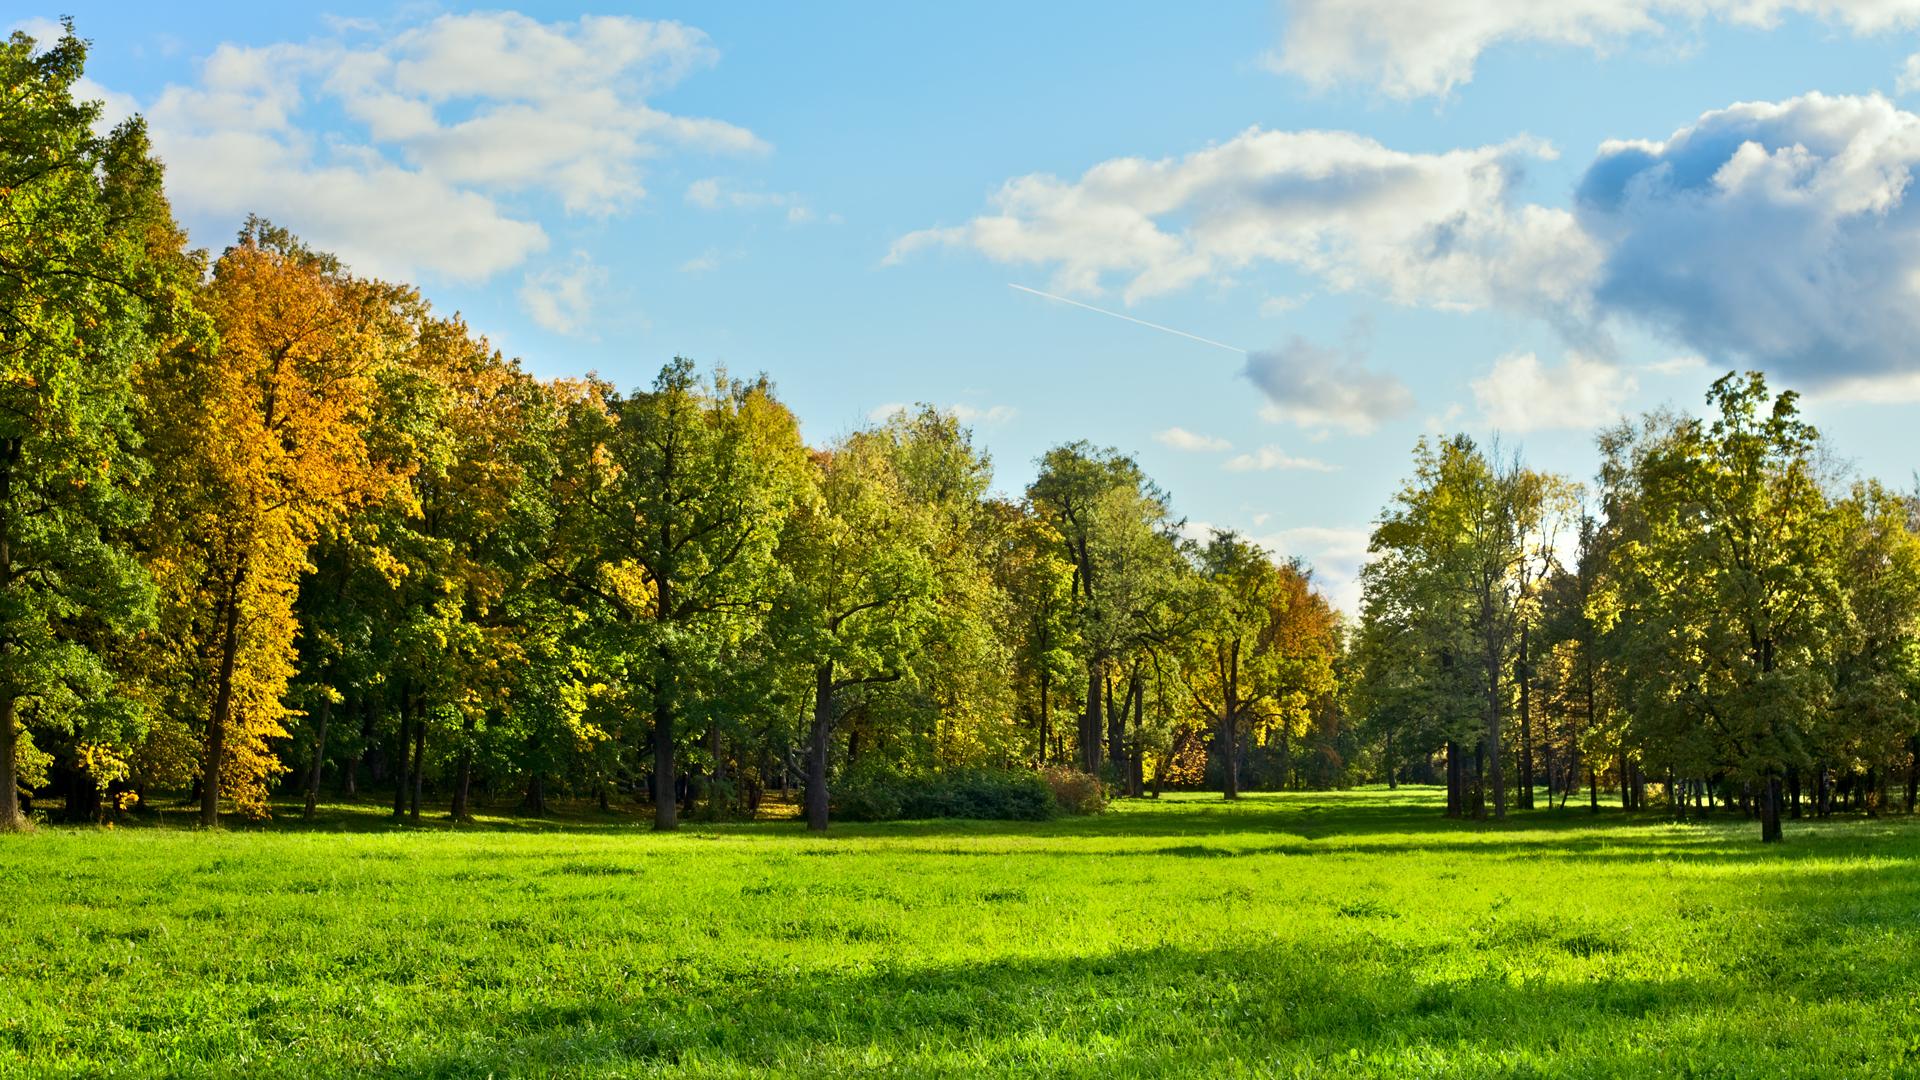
[(92, 283), (861, 552), (674, 500)]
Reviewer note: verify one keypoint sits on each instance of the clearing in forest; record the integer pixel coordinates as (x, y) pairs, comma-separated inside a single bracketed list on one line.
[(1335, 934)]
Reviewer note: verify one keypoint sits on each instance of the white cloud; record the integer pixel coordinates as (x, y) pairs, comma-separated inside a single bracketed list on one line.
[(1181, 439), (1430, 229), (714, 194), (1335, 554), (1781, 236), (445, 120), (989, 416), (1269, 458), (45, 32), (1317, 387), (1412, 48), (1678, 365), (1522, 394), (560, 298), (1908, 81)]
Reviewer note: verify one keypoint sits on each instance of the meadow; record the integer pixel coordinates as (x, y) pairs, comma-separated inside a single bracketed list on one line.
[(1304, 934)]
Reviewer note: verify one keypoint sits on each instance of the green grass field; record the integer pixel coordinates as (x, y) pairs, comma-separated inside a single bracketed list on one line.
[(1312, 934)]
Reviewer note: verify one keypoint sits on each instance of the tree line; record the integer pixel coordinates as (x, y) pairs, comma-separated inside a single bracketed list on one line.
[(267, 527), (1722, 616)]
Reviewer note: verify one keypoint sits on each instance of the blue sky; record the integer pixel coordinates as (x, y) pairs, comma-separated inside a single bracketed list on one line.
[(1514, 219)]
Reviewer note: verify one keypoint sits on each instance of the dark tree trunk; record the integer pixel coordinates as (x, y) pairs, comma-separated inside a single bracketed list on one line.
[(1229, 721), (1117, 727), (1770, 811), (222, 710), (405, 745), (1455, 803), (1046, 717), (1793, 792), (1525, 801), (11, 819), (319, 756), (462, 810), (817, 743), (1090, 720), (666, 807), (1135, 767), (535, 801), (419, 765)]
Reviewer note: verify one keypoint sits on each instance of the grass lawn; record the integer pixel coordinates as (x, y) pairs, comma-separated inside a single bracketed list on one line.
[(1310, 934)]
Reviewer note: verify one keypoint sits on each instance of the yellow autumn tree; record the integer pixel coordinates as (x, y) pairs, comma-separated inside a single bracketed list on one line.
[(258, 446)]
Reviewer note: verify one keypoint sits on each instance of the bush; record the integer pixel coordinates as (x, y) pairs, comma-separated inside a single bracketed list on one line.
[(1075, 792), (883, 794)]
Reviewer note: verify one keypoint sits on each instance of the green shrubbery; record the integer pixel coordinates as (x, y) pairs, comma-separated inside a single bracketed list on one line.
[(885, 794)]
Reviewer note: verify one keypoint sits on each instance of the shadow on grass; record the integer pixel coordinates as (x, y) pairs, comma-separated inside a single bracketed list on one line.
[(1343, 1007)]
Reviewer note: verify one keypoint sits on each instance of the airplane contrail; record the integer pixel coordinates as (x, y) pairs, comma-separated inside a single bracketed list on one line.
[(1131, 319)]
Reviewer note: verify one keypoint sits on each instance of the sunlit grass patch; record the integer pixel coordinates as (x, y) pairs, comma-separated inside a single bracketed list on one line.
[(1330, 934)]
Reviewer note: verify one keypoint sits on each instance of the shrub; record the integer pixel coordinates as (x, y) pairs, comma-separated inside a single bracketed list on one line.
[(1075, 792), (877, 793)]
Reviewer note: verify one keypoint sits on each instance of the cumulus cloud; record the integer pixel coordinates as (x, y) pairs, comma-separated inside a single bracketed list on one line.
[(1318, 387), (449, 126), (1438, 230), (1181, 439), (1775, 235), (1522, 394), (1268, 458), (1412, 48), (560, 298)]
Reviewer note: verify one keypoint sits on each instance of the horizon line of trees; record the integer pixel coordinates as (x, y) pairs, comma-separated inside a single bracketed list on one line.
[(270, 527), (1723, 615)]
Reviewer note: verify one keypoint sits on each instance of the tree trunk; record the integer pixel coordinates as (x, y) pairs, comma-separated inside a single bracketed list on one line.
[(222, 709), (817, 743), (462, 787), (1090, 720), (419, 765), (1770, 812), (1490, 751), (1393, 773), (1525, 801), (666, 807), (11, 819), (1593, 790), (535, 801), (1117, 727), (1046, 693), (319, 756), (1229, 725), (1454, 802), (405, 745), (1135, 765)]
